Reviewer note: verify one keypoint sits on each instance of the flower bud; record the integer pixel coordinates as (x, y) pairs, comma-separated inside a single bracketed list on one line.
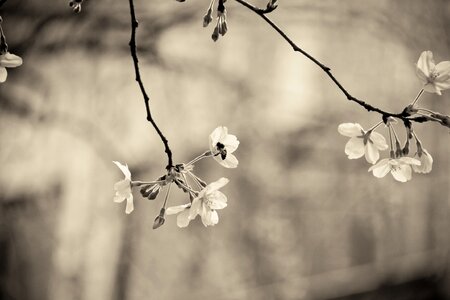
[(159, 220)]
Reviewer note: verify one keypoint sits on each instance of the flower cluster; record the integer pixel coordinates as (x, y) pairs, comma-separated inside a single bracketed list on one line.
[(435, 78), (221, 25), (369, 143), (204, 199)]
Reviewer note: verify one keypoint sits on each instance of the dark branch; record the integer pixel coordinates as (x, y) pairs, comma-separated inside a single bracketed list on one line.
[(133, 50), (404, 115)]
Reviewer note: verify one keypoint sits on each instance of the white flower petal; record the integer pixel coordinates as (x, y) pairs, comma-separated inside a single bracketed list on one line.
[(183, 219), (195, 208), (214, 186), (409, 161), (350, 129), (229, 162), (130, 205), (426, 62), (426, 163), (355, 148), (422, 76), (124, 169), (371, 153), (378, 140), (209, 217), (217, 135), (10, 60), (431, 88), (3, 74), (231, 143), (381, 168), (119, 198), (443, 69), (402, 173), (218, 200), (176, 209)]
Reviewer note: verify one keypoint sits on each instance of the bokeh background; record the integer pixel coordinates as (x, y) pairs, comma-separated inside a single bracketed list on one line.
[(303, 221)]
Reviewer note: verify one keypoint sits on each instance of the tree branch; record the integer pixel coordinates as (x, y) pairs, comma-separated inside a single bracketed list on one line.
[(133, 50), (405, 115)]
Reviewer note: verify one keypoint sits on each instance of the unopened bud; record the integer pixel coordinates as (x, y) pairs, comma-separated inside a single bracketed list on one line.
[(159, 221), (207, 18)]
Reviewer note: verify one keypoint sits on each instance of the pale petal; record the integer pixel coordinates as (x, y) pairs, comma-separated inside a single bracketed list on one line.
[(124, 169), (119, 198), (426, 62), (355, 148), (218, 201), (214, 186), (431, 88), (350, 129), (122, 187), (213, 217), (229, 162), (195, 208), (3, 74), (231, 143), (10, 60), (426, 165), (402, 173), (409, 161), (381, 168), (443, 68), (422, 76), (441, 86), (378, 140), (371, 153), (176, 209), (183, 219), (216, 135), (130, 205), (209, 217)]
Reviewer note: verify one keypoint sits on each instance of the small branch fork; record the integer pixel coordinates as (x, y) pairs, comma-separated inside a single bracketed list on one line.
[(405, 115), (133, 50)]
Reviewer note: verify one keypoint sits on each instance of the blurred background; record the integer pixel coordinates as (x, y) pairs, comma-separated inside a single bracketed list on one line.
[(303, 221)]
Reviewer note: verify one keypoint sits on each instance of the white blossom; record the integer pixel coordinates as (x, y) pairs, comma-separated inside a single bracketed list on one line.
[(435, 78), (123, 188), (222, 145), (400, 168), (362, 143)]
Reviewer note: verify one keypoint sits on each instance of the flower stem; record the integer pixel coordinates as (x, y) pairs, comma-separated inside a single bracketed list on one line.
[(195, 180), (201, 156), (417, 97), (167, 195), (375, 126)]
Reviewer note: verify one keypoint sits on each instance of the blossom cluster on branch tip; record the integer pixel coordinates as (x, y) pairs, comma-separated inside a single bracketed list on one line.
[(435, 78), (204, 199), (369, 143)]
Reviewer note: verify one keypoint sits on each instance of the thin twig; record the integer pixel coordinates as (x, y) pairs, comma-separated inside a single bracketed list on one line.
[(133, 50), (404, 115)]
